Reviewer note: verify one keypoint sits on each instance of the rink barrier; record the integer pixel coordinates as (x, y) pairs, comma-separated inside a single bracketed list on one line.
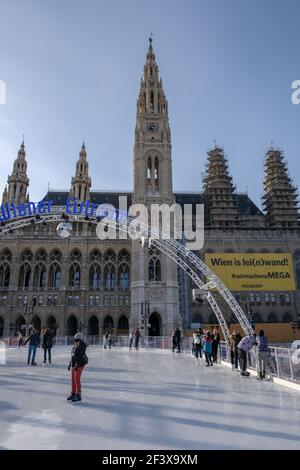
[(283, 364)]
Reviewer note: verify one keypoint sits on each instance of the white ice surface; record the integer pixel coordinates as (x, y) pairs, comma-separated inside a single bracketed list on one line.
[(142, 400)]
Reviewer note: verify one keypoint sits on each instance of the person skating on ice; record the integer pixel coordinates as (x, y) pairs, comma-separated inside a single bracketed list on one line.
[(207, 348), (131, 337), (173, 336), (34, 341), (47, 345), (234, 354), (197, 344), (137, 336), (215, 345), (78, 361)]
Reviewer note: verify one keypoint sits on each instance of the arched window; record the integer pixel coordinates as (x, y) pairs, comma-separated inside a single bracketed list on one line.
[(156, 171), (4, 276), (95, 269), (36, 322), (72, 326), (151, 101), (124, 281), (149, 170), (55, 255), (95, 276), (123, 323), (75, 275), (93, 326), (5, 260), (287, 318), (256, 318), (213, 319), (154, 270), (109, 277), (20, 324), (154, 267), (197, 318), (40, 276), (52, 324), (54, 276), (25, 276), (155, 324), (272, 318), (108, 324), (75, 269)]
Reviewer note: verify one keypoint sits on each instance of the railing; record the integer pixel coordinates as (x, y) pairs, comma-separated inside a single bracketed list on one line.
[(147, 342), (283, 362)]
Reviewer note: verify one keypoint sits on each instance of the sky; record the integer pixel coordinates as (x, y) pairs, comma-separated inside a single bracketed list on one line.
[(72, 71)]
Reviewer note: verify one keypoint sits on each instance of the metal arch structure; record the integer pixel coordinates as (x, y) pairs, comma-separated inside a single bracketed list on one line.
[(175, 250)]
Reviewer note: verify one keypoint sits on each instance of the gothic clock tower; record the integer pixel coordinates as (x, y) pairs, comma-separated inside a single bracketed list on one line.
[(154, 276)]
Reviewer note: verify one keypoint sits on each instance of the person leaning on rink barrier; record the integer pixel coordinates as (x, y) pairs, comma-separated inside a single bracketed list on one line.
[(244, 346), (262, 353)]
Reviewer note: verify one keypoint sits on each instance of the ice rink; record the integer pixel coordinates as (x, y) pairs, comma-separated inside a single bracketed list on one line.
[(142, 400)]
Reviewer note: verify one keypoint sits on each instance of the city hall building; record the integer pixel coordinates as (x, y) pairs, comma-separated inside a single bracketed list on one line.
[(83, 283)]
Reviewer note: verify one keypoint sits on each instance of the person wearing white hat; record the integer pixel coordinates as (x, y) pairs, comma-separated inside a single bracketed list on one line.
[(78, 361)]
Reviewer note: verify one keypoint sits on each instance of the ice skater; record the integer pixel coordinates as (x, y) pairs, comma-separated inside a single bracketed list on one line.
[(176, 340), (106, 338), (109, 338), (78, 361), (34, 341), (20, 339), (244, 346), (215, 344), (262, 353), (234, 355), (131, 334), (137, 336), (207, 348), (197, 344), (47, 345)]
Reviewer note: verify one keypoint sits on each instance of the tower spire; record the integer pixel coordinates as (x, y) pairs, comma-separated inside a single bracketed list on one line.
[(18, 181), (81, 182), (221, 211), (280, 197)]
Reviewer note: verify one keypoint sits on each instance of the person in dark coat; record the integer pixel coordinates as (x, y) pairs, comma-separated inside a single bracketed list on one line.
[(137, 336), (34, 341), (78, 361), (47, 345), (234, 354), (178, 339), (215, 344)]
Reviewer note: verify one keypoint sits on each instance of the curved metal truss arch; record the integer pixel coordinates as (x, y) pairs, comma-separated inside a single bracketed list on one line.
[(184, 258)]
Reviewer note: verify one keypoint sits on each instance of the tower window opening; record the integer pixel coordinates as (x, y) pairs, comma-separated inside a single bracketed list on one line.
[(156, 171), (151, 101), (149, 170)]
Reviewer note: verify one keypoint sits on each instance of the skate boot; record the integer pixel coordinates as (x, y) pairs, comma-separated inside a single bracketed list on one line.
[(71, 397), (77, 397)]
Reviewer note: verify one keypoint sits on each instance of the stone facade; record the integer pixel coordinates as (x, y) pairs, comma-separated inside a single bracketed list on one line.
[(87, 284)]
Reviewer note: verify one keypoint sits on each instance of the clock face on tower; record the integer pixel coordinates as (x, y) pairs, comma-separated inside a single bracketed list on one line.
[(152, 127)]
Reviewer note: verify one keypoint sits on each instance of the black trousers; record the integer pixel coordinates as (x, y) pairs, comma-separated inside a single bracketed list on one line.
[(208, 358), (243, 359), (234, 356), (45, 354), (198, 350), (215, 346)]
